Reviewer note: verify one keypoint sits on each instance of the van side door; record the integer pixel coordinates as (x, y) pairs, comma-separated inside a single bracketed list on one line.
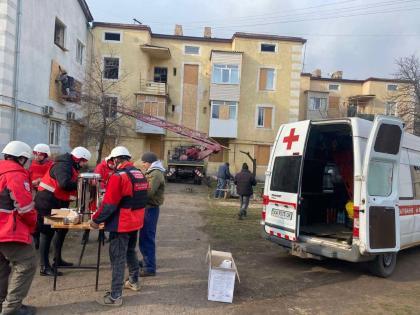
[(379, 210)]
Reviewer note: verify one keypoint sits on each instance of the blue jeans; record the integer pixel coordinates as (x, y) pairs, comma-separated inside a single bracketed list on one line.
[(221, 184), (122, 250), (147, 239)]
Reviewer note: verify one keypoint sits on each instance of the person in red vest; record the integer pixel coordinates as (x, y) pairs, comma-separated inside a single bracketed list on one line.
[(56, 190), (40, 164), (122, 211), (18, 221), (105, 169)]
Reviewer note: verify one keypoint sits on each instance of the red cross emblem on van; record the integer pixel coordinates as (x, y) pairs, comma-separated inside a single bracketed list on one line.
[(291, 138)]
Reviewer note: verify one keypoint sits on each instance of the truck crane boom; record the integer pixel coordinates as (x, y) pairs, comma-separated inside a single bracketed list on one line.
[(211, 146)]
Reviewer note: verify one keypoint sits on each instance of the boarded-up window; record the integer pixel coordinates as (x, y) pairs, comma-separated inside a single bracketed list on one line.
[(262, 154), (266, 79), (216, 157), (265, 117), (223, 110)]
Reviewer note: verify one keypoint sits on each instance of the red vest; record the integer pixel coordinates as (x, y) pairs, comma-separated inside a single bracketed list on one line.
[(51, 184), (38, 170)]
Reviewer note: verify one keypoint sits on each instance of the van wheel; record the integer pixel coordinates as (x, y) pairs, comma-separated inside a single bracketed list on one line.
[(383, 265)]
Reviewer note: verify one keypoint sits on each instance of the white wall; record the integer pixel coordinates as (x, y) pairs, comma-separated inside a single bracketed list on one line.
[(37, 50)]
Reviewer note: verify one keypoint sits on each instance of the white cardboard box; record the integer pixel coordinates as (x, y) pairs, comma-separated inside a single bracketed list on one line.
[(221, 283)]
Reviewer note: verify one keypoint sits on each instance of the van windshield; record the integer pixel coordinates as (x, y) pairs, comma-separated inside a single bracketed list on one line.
[(285, 175)]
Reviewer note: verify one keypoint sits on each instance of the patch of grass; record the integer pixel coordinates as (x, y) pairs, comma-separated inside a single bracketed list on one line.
[(223, 226)]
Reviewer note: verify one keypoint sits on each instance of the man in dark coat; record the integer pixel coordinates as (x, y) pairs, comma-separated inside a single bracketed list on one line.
[(244, 181)]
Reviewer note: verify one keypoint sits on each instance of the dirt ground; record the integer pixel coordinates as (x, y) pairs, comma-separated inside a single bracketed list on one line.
[(271, 281)]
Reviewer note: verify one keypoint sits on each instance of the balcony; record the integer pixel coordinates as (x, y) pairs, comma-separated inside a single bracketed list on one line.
[(223, 120), (153, 88), (154, 105)]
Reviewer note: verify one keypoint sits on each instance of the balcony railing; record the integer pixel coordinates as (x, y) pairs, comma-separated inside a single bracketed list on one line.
[(153, 88)]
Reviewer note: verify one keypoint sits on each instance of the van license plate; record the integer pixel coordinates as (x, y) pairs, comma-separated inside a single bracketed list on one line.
[(282, 214)]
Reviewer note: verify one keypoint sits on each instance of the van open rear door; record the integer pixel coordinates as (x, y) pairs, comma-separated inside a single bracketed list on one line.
[(282, 181), (379, 211)]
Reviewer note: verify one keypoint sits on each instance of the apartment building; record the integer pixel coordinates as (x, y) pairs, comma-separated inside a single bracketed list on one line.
[(40, 41), (238, 90), (334, 97)]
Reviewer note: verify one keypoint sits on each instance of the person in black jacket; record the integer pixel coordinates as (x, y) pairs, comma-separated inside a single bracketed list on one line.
[(244, 181), (56, 190)]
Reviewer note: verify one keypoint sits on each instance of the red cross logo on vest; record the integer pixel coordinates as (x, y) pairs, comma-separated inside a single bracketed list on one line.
[(291, 138)]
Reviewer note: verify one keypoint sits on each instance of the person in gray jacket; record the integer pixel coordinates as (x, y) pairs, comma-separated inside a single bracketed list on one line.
[(223, 175)]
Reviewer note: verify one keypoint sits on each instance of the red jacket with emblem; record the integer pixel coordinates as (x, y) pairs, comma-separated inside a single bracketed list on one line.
[(17, 214), (37, 170), (105, 172), (122, 209)]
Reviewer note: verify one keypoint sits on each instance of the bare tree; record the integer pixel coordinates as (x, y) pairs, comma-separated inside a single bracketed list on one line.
[(101, 95), (407, 96)]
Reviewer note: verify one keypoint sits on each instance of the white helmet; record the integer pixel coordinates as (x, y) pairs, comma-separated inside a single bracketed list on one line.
[(119, 151), (43, 148), (81, 153), (17, 149)]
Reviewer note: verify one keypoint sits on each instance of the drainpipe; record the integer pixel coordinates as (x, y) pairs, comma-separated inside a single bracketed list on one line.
[(16, 70)]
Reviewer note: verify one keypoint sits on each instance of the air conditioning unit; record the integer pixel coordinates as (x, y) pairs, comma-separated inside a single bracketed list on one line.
[(47, 110), (71, 116)]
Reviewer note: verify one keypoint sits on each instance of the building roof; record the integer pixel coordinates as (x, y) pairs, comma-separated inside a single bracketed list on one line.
[(269, 37), (305, 74), (198, 38), (86, 10), (123, 26)]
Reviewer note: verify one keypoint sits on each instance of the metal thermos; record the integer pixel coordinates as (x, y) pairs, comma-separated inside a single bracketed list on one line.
[(88, 201)]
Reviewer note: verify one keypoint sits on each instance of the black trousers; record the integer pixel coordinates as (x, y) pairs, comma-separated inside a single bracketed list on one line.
[(47, 234)]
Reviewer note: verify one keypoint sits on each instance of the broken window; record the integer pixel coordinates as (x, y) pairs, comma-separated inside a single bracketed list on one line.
[(268, 47), (392, 87), (110, 106), (223, 110), (111, 68), (317, 103), (334, 87), (59, 32), (264, 118), (267, 78)]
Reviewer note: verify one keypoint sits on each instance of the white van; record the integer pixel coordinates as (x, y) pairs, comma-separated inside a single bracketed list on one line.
[(318, 167)]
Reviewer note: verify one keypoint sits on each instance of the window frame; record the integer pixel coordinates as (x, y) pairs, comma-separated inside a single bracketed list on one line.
[(391, 110), (54, 132), (118, 70), (110, 40), (192, 54), (229, 67), (392, 84), (338, 87), (109, 109), (269, 44), (80, 49), (64, 27), (274, 79), (311, 108), (264, 106), (217, 104)]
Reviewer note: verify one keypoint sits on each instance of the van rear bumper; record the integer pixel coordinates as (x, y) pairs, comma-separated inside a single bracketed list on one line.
[(298, 248)]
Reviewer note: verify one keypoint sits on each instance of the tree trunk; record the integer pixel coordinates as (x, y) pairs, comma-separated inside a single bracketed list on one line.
[(101, 147)]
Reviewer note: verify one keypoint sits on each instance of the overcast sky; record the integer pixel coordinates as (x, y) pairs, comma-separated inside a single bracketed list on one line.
[(360, 37)]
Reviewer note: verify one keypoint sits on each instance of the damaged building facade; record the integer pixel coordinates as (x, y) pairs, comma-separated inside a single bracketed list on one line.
[(237, 90), (42, 42)]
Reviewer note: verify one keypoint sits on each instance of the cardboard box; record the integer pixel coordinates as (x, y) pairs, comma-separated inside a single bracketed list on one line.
[(57, 216), (222, 274)]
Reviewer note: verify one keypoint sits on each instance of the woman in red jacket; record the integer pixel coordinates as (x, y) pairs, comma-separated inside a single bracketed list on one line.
[(18, 221), (40, 164)]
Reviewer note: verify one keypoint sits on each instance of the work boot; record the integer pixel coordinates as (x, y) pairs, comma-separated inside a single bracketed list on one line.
[(23, 310), (48, 271), (63, 263)]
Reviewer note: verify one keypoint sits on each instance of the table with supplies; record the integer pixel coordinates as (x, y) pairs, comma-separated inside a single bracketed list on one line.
[(56, 220)]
